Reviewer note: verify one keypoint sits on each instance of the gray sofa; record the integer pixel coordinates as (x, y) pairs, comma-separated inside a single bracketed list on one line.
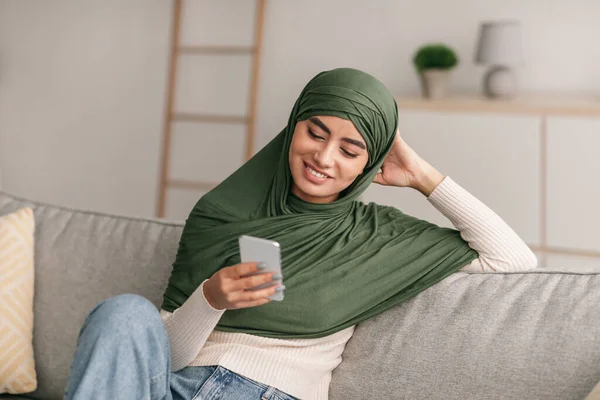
[(529, 335)]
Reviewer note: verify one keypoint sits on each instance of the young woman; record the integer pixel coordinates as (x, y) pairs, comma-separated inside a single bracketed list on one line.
[(343, 261)]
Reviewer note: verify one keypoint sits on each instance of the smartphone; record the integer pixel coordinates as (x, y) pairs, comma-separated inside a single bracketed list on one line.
[(253, 249)]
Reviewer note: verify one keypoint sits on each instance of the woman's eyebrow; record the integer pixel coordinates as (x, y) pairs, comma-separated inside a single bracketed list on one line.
[(321, 125), (355, 142)]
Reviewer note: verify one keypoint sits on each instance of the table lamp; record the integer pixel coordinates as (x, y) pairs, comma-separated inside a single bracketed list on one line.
[(500, 46)]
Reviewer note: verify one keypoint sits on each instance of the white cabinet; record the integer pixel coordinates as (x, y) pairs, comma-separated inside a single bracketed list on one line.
[(534, 160), (573, 192), (494, 157), (567, 261)]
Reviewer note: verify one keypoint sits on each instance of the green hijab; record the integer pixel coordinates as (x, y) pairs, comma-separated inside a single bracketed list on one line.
[(343, 262)]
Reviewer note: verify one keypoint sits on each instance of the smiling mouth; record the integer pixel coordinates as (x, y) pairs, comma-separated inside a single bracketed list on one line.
[(315, 172)]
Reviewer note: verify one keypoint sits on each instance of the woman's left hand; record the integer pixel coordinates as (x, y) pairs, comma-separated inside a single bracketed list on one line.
[(403, 167)]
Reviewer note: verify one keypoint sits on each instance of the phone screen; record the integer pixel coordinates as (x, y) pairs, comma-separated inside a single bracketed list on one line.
[(253, 249)]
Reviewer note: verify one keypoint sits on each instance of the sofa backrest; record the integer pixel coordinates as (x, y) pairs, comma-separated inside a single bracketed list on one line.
[(533, 334), (522, 335), (82, 258)]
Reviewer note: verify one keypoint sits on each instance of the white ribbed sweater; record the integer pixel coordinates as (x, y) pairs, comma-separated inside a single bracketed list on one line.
[(303, 367)]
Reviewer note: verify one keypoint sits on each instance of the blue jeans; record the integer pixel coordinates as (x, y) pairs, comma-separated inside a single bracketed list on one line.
[(123, 353)]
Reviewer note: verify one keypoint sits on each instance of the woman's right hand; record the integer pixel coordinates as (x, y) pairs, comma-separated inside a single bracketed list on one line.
[(227, 288)]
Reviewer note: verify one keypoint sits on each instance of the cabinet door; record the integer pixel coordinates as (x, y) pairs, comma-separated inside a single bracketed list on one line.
[(496, 158), (573, 193)]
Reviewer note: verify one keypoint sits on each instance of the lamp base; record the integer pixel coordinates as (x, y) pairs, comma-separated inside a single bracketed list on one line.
[(500, 82)]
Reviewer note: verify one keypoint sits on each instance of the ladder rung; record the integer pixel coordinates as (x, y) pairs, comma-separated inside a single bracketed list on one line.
[(181, 184), (229, 50), (223, 119)]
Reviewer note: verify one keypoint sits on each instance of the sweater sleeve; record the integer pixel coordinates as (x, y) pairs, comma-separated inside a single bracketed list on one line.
[(189, 327), (500, 249)]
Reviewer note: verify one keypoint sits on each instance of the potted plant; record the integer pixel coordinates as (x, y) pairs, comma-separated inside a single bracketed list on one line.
[(434, 63)]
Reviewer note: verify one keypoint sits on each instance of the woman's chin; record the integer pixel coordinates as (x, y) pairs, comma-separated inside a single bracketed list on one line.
[(311, 192), (314, 196)]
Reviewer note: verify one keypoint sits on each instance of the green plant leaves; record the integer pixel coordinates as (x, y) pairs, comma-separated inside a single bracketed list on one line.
[(435, 55)]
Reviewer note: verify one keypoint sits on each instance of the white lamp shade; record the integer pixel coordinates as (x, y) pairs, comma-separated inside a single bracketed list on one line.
[(499, 43)]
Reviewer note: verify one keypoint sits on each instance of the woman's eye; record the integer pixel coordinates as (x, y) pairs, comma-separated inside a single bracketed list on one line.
[(317, 137), (312, 134), (351, 155)]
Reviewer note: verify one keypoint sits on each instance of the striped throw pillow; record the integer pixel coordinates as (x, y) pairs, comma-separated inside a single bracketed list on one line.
[(595, 393), (17, 368)]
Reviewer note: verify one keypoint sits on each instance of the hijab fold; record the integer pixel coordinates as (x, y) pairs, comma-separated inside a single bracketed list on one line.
[(342, 262)]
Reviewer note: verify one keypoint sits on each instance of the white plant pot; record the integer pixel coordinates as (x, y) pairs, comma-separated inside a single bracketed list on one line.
[(434, 83)]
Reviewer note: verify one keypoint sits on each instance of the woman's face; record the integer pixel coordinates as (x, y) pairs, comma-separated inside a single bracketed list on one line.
[(326, 155)]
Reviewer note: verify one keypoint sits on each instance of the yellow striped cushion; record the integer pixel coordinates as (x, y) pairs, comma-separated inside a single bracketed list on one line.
[(595, 393), (17, 368)]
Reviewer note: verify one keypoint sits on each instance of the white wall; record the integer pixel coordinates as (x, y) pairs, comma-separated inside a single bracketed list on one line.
[(82, 87), (82, 82), (305, 37)]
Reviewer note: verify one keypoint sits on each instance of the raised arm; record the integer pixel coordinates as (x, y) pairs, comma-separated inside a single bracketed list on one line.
[(498, 246)]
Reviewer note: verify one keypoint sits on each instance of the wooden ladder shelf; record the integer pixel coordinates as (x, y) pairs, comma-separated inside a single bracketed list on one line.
[(171, 115)]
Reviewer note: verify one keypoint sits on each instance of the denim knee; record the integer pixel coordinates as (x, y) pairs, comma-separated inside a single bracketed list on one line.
[(122, 313)]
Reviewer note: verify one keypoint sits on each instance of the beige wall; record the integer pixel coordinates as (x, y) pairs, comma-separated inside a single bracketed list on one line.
[(82, 82)]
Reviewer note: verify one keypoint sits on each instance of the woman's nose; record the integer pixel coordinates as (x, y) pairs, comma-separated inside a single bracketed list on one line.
[(324, 157)]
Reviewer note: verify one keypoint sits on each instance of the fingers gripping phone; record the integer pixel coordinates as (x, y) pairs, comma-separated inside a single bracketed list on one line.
[(253, 249)]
